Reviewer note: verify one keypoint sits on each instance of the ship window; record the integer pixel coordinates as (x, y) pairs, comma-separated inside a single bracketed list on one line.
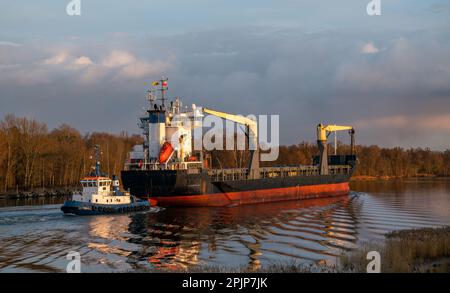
[(96, 200), (94, 184), (90, 184), (104, 188)]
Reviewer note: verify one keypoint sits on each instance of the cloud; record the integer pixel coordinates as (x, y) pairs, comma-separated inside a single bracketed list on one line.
[(27, 77), (93, 75), (57, 59), (82, 61), (422, 130), (118, 58), (142, 69), (10, 44), (440, 7), (432, 122), (407, 66), (304, 77), (68, 66), (369, 48)]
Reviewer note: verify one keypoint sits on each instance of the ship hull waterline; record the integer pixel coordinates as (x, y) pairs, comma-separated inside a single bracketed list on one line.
[(253, 196), (179, 188)]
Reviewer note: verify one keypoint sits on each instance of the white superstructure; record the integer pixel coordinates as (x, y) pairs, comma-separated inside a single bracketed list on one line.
[(162, 124), (97, 190)]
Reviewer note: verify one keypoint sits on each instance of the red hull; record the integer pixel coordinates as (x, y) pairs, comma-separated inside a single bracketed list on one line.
[(253, 196)]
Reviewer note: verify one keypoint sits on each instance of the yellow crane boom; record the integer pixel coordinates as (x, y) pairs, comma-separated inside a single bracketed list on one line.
[(252, 137), (323, 131), (251, 124)]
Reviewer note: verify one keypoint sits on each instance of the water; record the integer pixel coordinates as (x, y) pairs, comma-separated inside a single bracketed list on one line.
[(36, 238)]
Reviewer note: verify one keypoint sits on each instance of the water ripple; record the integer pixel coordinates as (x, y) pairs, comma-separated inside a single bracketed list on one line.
[(37, 238)]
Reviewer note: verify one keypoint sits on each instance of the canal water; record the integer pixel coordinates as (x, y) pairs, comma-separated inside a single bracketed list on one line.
[(36, 237)]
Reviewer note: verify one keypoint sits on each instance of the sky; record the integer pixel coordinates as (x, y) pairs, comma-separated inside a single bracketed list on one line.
[(308, 61)]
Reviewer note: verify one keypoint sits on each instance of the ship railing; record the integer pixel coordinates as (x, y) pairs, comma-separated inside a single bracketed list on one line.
[(231, 174), (228, 174), (339, 169), (158, 166), (288, 171)]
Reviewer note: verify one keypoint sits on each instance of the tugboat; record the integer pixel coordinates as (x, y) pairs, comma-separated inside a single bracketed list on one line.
[(97, 196)]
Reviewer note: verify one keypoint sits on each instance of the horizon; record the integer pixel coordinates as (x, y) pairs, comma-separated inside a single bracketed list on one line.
[(221, 136)]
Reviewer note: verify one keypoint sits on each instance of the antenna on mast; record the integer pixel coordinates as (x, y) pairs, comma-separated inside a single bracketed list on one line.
[(162, 83), (164, 87), (97, 159)]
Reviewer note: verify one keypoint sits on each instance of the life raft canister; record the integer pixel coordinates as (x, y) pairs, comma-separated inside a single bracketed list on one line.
[(192, 159), (166, 151)]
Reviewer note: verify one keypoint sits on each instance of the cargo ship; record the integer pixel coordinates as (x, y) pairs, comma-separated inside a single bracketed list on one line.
[(168, 171)]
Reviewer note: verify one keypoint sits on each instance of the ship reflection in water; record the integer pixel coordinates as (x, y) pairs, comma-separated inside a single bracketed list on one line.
[(37, 238)]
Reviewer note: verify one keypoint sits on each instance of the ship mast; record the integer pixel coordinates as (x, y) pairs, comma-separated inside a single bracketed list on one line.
[(154, 122), (163, 88), (97, 160)]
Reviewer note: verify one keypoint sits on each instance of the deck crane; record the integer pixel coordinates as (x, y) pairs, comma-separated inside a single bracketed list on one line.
[(251, 134), (323, 131)]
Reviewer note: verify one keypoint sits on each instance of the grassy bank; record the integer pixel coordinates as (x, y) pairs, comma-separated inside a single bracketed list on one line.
[(289, 267), (407, 251), (371, 178)]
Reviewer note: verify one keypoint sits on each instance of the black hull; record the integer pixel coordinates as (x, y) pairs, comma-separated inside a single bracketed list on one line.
[(166, 183)]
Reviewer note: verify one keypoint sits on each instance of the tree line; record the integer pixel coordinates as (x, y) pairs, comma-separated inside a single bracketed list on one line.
[(372, 160), (31, 156)]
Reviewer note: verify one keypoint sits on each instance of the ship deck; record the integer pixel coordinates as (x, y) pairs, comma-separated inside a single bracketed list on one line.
[(275, 172), (232, 174)]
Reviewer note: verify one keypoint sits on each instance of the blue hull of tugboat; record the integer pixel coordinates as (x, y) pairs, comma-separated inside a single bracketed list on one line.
[(88, 209)]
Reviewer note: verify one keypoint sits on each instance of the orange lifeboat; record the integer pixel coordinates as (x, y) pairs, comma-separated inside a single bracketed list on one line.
[(166, 151)]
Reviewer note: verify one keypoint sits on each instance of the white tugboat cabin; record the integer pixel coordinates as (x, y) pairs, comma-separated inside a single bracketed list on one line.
[(97, 190)]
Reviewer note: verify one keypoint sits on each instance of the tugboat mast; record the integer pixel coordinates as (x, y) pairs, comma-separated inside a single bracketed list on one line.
[(97, 160)]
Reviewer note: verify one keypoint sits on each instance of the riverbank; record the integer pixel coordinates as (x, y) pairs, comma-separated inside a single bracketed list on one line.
[(424, 250), (38, 193), (372, 178)]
